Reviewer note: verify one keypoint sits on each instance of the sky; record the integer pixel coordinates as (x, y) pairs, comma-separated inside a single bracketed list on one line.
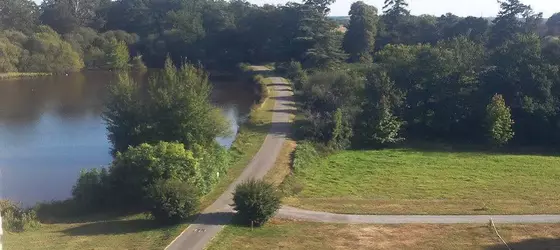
[(483, 8)]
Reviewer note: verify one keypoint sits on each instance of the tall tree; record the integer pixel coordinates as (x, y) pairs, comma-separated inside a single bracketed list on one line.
[(18, 15), (553, 25), (514, 17), (359, 40), (394, 17), (498, 120), (66, 15)]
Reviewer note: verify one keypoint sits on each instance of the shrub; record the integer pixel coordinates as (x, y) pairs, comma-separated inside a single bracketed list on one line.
[(255, 201), (92, 189), (499, 122), (172, 201), (213, 164), (304, 155), (144, 165), (261, 88), (119, 55), (15, 218)]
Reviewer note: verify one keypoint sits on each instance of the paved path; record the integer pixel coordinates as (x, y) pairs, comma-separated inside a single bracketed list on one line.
[(212, 219), (306, 215)]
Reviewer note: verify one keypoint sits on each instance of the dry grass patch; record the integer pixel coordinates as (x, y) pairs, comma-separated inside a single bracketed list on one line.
[(281, 234)]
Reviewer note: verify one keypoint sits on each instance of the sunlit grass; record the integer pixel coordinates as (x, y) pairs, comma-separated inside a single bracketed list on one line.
[(404, 181), (22, 74)]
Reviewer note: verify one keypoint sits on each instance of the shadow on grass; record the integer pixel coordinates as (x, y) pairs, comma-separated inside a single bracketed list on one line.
[(279, 85), (531, 244), (114, 227), (287, 111)]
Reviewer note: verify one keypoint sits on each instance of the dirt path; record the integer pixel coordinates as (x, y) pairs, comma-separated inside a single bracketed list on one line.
[(213, 218)]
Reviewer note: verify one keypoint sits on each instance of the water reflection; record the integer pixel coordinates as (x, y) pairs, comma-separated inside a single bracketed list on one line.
[(50, 128)]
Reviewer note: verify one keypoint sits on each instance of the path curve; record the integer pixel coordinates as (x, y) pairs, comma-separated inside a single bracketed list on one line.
[(287, 212), (211, 221)]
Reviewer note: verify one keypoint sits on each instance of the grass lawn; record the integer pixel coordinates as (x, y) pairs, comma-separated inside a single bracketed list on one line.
[(136, 231), (21, 74), (409, 181), (307, 235)]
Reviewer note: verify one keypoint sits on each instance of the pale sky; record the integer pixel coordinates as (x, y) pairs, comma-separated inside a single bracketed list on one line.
[(484, 8)]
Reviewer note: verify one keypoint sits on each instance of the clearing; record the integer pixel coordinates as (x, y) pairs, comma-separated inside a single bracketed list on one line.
[(413, 181)]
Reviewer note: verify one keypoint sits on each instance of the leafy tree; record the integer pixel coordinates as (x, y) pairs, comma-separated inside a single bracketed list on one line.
[(49, 53), (255, 201), (10, 55), (133, 171), (177, 107), (377, 125), (508, 22), (499, 122), (359, 40), (553, 25), (65, 16), (119, 55), (172, 201), (18, 15), (92, 190)]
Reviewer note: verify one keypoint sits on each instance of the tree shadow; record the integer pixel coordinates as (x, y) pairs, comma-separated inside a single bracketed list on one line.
[(283, 98), (287, 111), (285, 89), (530, 244), (279, 84), (216, 218), (114, 227)]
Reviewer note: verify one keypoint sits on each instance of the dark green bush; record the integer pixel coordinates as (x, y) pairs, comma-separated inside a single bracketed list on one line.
[(304, 155), (92, 189), (255, 201), (172, 201), (15, 218), (139, 167)]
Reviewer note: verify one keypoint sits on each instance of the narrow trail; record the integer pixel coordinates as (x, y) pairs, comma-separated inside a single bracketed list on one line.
[(211, 221), (287, 212)]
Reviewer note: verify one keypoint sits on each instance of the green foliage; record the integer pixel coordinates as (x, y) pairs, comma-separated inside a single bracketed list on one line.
[(359, 40), (92, 190), (305, 154), (499, 122), (119, 55), (18, 15), (255, 201), (138, 64), (172, 201), (10, 55), (261, 88), (330, 102), (377, 125), (49, 53), (139, 167), (17, 219), (176, 108)]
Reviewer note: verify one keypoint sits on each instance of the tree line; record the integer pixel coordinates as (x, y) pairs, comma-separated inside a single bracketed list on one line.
[(425, 78)]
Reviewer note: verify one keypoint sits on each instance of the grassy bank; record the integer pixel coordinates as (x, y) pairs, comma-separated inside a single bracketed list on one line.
[(21, 75), (413, 181), (137, 231), (307, 235)]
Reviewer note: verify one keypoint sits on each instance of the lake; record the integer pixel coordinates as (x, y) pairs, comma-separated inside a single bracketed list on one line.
[(50, 129)]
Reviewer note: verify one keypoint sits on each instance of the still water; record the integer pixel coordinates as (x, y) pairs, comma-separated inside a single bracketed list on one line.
[(50, 129)]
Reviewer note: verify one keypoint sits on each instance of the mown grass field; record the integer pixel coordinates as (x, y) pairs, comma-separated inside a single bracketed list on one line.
[(138, 231), (280, 234), (412, 181)]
